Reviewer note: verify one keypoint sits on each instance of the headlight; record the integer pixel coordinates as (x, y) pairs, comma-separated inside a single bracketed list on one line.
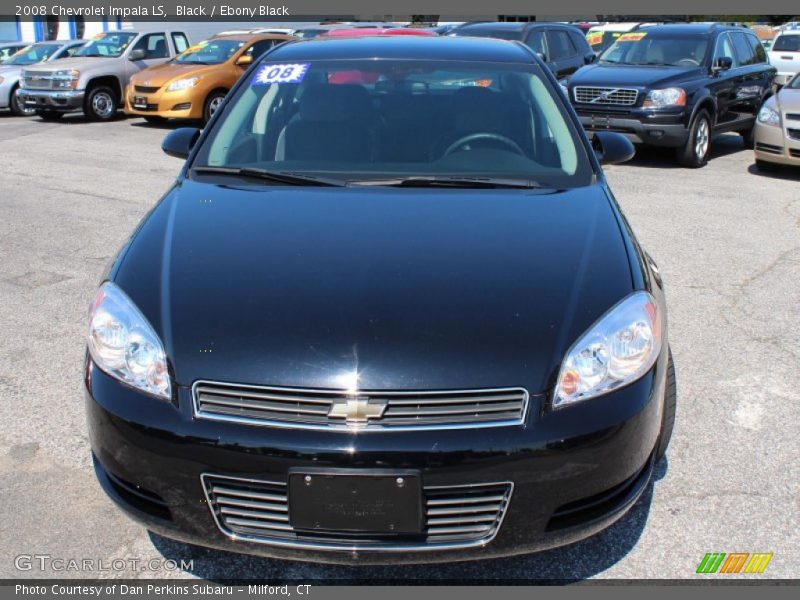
[(66, 79), (769, 116), (615, 351), (123, 344), (665, 98), (183, 84)]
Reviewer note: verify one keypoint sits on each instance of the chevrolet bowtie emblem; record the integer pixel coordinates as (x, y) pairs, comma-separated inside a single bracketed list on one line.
[(357, 411)]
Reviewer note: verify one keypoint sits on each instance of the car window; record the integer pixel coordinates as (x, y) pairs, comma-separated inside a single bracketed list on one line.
[(209, 52), (33, 54), (257, 49), (180, 42), (154, 46), (642, 48), (760, 55), (579, 42), (373, 119), (71, 51), (787, 43), (536, 42), (724, 49), (110, 44), (744, 52), (559, 44)]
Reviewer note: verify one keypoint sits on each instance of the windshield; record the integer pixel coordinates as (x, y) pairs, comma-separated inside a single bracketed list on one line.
[(33, 54), (787, 43), (111, 44), (600, 40), (639, 48), (358, 119), (210, 52)]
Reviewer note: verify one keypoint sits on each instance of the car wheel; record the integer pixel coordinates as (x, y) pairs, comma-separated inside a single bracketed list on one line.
[(749, 137), (49, 115), (668, 416), (213, 102), (694, 153), (101, 104), (767, 167), (19, 108)]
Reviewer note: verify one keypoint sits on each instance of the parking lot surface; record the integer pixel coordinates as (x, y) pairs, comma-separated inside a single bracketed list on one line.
[(726, 238)]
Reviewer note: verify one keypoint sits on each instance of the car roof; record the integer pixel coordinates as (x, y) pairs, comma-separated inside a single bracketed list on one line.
[(253, 37), (411, 47), (690, 28), (510, 26), (368, 31)]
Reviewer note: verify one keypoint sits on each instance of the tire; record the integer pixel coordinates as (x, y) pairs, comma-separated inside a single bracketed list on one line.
[(49, 115), (18, 109), (767, 167), (212, 103), (749, 137), (694, 153), (101, 103), (668, 416)]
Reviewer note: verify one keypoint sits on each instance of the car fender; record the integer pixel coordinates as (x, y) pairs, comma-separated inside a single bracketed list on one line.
[(702, 100)]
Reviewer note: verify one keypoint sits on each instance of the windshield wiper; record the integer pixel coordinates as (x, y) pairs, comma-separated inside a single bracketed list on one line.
[(462, 182), (278, 177)]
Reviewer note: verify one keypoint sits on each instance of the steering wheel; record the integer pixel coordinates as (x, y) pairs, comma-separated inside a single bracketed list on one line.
[(496, 137), (690, 61)]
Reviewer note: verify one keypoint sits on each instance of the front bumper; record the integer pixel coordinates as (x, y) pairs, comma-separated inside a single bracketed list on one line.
[(574, 471), (58, 100), (184, 104), (775, 144), (639, 126)]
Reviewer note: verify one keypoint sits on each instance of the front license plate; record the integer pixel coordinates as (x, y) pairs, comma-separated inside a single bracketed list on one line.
[(600, 122), (383, 503), (139, 102)]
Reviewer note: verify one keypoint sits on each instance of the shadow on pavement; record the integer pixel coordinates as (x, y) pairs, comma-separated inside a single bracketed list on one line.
[(664, 158), (569, 564)]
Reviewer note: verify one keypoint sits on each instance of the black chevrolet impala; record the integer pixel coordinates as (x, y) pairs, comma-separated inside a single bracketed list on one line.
[(389, 311)]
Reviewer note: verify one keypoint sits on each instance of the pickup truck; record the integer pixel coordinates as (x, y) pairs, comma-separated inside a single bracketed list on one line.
[(784, 55), (676, 86), (95, 78)]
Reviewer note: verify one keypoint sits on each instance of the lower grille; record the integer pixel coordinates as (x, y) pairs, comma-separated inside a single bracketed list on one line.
[(794, 153), (340, 410), (143, 89), (455, 516), (768, 148), (605, 95)]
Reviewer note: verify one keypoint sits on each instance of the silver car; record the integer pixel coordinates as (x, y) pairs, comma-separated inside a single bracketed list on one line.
[(11, 69)]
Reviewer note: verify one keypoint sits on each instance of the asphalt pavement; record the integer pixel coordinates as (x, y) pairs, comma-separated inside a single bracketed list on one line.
[(727, 241)]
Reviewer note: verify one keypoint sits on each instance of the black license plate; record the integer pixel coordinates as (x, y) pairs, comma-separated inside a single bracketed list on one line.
[(368, 502), (139, 102)]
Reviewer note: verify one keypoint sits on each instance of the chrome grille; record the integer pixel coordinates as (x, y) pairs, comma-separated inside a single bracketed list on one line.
[(793, 116), (793, 133), (37, 80), (258, 511), (605, 95), (364, 410)]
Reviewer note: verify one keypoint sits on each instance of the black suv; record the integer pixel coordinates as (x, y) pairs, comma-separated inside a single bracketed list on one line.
[(563, 47), (676, 86)]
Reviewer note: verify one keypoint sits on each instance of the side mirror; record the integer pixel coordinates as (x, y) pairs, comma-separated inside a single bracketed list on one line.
[(244, 60), (589, 58), (179, 142), (137, 54), (612, 148), (723, 63)]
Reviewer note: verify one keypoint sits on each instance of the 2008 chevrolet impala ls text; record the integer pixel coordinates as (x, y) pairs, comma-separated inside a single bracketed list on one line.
[(389, 311)]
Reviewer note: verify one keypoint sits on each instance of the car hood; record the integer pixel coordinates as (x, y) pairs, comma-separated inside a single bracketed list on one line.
[(788, 100), (76, 62), (602, 75), (161, 74), (413, 289)]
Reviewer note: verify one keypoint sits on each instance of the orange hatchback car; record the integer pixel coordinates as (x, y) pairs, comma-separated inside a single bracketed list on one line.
[(193, 84)]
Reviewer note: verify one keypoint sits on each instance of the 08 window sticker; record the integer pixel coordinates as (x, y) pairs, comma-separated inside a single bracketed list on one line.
[(280, 73)]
